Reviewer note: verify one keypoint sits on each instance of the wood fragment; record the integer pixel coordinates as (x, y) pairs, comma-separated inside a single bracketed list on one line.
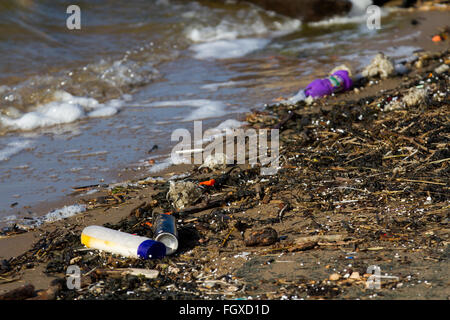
[(321, 238)]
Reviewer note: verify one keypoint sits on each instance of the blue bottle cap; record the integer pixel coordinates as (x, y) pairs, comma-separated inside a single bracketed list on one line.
[(151, 249)]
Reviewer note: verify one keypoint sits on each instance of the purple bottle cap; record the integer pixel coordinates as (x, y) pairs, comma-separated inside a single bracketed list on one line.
[(151, 249)]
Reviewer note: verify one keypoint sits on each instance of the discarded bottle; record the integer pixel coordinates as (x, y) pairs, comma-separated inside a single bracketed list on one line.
[(122, 243), (165, 231), (338, 81)]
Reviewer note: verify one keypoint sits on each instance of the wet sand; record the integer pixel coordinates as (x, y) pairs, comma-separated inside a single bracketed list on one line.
[(428, 266)]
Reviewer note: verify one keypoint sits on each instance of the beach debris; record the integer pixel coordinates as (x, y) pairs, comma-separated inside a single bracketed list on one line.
[(265, 237), (208, 183), (380, 66), (339, 81), (342, 67), (371, 185), (183, 193), (355, 276), (442, 68), (218, 161), (165, 231), (334, 277), (413, 97), (124, 244), (436, 38)]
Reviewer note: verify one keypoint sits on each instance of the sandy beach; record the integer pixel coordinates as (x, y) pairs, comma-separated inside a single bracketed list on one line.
[(354, 166)]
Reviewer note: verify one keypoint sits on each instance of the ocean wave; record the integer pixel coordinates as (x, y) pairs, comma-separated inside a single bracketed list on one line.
[(223, 36)]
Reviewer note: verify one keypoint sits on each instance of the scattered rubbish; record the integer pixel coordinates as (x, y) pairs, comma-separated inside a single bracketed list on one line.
[(165, 231), (415, 96), (334, 277), (264, 237), (208, 183), (183, 193), (355, 276), (381, 173), (380, 66), (436, 38), (442, 68), (124, 244), (339, 81)]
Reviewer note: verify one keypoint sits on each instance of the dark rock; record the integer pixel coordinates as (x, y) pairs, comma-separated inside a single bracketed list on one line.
[(264, 237)]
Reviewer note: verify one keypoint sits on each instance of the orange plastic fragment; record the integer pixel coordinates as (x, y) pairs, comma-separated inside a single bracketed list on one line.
[(436, 38), (208, 183)]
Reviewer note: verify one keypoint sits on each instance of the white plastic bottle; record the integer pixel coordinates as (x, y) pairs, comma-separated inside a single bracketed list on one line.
[(124, 244)]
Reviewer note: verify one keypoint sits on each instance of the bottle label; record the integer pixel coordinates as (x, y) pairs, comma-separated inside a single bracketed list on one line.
[(336, 82)]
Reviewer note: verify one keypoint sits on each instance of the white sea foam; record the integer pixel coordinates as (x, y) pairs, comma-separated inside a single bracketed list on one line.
[(65, 108), (246, 23), (230, 124), (356, 15), (226, 49), (236, 35), (63, 213), (12, 148), (52, 216)]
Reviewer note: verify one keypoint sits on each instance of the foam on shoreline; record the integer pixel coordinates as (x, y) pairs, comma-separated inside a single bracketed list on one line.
[(65, 108)]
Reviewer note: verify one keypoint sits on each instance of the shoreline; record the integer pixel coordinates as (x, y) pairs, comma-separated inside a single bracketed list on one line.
[(16, 246), (42, 202)]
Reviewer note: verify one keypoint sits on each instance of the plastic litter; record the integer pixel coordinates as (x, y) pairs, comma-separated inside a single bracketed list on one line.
[(337, 82), (380, 66), (165, 231), (413, 97), (442, 68), (208, 183), (436, 38), (124, 244), (183, 193)]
